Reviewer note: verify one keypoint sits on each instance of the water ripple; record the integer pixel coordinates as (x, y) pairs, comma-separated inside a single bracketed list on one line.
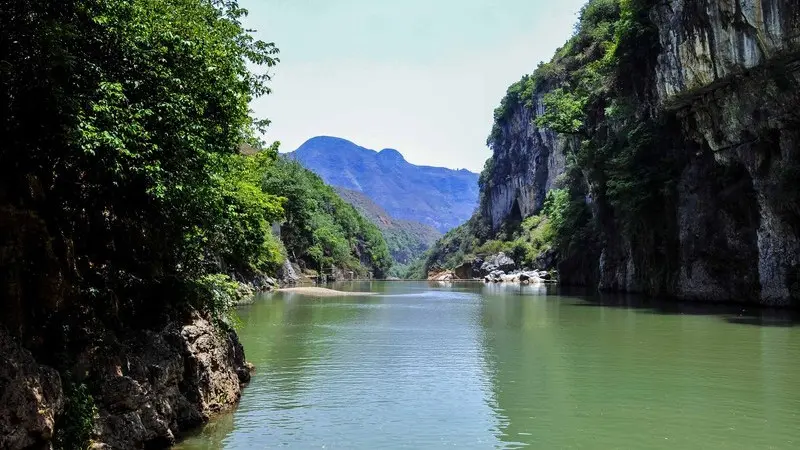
[(488, 367)]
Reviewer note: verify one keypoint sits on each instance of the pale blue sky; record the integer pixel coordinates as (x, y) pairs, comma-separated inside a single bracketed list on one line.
[(419, 76)]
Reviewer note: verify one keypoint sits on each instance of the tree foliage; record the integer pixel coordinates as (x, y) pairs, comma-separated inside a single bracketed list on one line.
[(320, 228), (123, 122)]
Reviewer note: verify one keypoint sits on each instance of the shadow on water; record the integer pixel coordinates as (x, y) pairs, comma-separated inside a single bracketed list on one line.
[(737, 314)]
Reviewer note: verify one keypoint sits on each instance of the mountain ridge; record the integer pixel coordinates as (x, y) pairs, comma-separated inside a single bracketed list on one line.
[(436, 196)]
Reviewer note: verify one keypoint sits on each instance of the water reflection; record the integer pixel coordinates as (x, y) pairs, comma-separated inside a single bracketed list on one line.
[(507, 366), (568, 374)]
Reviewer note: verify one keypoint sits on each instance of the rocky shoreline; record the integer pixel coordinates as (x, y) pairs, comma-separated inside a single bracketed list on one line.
[(498, 268), (141, 388), (146, 388)]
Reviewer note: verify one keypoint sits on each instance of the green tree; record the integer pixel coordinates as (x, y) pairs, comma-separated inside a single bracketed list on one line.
[(122, 122)]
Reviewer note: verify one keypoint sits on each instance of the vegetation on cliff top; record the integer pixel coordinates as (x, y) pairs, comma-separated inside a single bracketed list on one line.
[(123, 191), (124, 195)]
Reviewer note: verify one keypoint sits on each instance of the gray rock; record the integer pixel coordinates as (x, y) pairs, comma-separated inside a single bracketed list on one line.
[(527, 161), (702, 46), (31, 397), (729, 87), (544, 275), (288, 274), (510, 278), (477, 263), (546, 260), (527, 276), (499, 262), (156, 385), (496, 274)]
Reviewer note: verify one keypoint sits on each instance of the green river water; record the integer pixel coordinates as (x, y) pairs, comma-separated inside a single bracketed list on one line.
[(424, 365)]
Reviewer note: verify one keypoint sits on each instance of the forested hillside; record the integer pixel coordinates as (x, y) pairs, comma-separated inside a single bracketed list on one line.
[(407, 240), (321, 229), (125, 209)]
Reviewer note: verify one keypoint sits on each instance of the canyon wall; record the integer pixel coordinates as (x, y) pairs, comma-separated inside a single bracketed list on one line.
[(724, 83)]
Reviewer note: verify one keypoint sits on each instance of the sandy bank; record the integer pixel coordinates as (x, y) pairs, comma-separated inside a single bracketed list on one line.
[(322, 292)]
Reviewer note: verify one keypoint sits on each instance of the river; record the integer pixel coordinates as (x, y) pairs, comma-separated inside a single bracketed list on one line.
[(496, 366)]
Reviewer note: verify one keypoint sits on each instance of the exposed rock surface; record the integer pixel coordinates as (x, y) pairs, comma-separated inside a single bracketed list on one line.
[(148, 387), (727, 79), (154, 385), (736, 72), (525, 277), (498, 262), (464, 271), (447, 275), (527, 161), (706, 42), (31, 398), (288, 274)]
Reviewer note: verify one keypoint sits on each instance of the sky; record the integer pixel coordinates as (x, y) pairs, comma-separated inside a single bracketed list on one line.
[(419, 76)]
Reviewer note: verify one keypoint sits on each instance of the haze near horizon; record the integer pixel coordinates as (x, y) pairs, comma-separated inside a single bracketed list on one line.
[(418, 76)]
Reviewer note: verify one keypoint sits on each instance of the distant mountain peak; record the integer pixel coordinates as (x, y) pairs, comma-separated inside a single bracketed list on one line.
[(440, 197), (391, 154), (326, 139)]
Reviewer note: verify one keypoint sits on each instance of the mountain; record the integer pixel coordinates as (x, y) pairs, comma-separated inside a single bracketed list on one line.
[(407, 240), (439, 197)]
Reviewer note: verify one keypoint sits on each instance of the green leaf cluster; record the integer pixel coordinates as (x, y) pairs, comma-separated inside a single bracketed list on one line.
[(75, 426)]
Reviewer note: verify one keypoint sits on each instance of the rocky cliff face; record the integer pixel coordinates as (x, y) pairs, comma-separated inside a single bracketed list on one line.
[(732, 76), (155, 385), (148, 386), (726, 82), (706, 43), (526, 161)]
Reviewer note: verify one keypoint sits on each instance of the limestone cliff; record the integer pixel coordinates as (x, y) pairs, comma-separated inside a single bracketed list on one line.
[(719, 82), (707, 43), (526, 161), (147, 387), (731, 75)]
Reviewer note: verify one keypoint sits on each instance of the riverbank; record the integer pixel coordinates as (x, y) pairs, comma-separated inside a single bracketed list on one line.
[(322, 292), (422, 349), (128, 389)]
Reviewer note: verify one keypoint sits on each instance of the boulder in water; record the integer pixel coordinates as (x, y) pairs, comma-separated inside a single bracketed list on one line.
[(447, 275)]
